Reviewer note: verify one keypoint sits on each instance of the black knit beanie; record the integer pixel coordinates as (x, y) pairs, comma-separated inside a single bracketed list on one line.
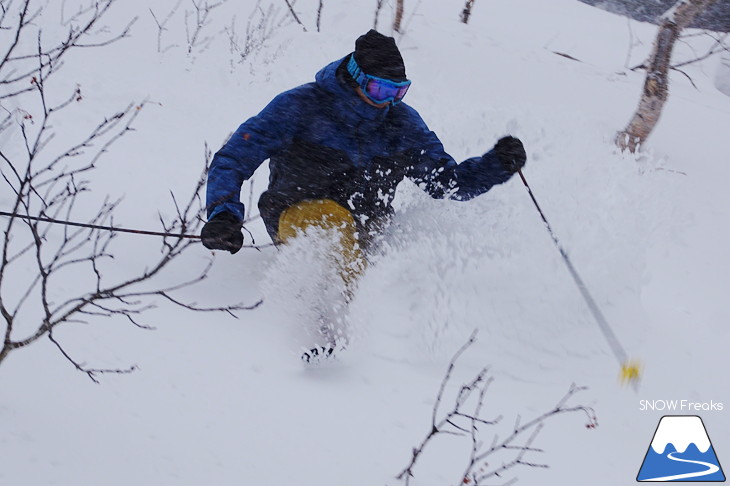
[(377, 55)]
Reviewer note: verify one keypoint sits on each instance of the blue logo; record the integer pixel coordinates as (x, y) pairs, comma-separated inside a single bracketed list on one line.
[(681, 451)]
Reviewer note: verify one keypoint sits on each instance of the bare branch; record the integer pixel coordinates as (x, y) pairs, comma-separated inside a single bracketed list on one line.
[(260, 28), (378, 7), (466, 13), (162, 26), (90, 372), (718, 47), (319, 14), (414, 11), (86, 247), (686, 76), (447, 376), (294, 14), (438, 426), (452, 423), (17, 72), (201, 19)]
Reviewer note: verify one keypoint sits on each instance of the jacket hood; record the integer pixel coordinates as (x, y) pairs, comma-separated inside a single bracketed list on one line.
[(346, 96)]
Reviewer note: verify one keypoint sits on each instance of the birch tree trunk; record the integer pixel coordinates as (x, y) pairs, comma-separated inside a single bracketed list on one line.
[(398, 15), (656, 84)]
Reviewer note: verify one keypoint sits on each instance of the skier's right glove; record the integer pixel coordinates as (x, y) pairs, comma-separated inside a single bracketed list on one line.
[(223, 232)]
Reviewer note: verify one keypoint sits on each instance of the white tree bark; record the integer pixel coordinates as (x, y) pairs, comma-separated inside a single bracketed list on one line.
[(656, 84)]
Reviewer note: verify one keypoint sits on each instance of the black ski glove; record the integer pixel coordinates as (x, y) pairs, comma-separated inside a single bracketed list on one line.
[(511, 153), (223, 232)]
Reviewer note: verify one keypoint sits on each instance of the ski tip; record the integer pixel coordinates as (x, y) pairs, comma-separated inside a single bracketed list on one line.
[(318, 354)]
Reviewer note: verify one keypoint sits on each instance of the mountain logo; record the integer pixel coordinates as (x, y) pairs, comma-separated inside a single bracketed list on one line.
[(681, 451)]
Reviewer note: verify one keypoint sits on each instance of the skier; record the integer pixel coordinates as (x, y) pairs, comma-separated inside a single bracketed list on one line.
[(338, 147)]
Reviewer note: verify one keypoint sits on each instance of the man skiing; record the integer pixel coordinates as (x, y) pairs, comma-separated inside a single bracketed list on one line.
[(338, 148)]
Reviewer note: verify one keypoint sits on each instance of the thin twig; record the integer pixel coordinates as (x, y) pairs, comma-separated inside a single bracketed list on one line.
[(294, 14), (319, 14), (378, 7)]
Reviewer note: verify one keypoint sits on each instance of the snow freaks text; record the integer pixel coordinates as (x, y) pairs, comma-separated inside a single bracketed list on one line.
[(680, 406)]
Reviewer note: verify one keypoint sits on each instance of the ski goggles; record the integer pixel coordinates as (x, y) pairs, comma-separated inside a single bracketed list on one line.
[(378, 90)]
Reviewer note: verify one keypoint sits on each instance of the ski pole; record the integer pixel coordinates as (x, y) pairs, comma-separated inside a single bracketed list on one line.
[(119, 230), (630, 370), (97, 226)]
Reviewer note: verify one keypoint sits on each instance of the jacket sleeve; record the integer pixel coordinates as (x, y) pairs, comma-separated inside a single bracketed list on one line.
[(256, 140), (437, 173)]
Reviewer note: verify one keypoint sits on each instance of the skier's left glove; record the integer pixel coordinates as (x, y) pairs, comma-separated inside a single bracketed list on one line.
[(511, 153), (223, 232)]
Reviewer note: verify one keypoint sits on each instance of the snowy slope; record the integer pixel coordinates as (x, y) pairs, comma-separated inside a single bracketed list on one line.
[(224, 401)]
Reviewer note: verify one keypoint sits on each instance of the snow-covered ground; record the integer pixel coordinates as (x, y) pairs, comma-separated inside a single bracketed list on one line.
[(224, 401)]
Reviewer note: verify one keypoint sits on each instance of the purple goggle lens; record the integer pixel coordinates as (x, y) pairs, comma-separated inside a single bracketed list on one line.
[(378, 90), (381, 90)]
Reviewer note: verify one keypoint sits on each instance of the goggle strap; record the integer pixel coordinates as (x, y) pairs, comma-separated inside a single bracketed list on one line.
[(356, 72), (362, 80)]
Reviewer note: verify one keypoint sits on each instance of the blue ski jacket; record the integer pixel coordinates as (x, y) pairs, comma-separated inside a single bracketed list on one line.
[(323, 141)]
